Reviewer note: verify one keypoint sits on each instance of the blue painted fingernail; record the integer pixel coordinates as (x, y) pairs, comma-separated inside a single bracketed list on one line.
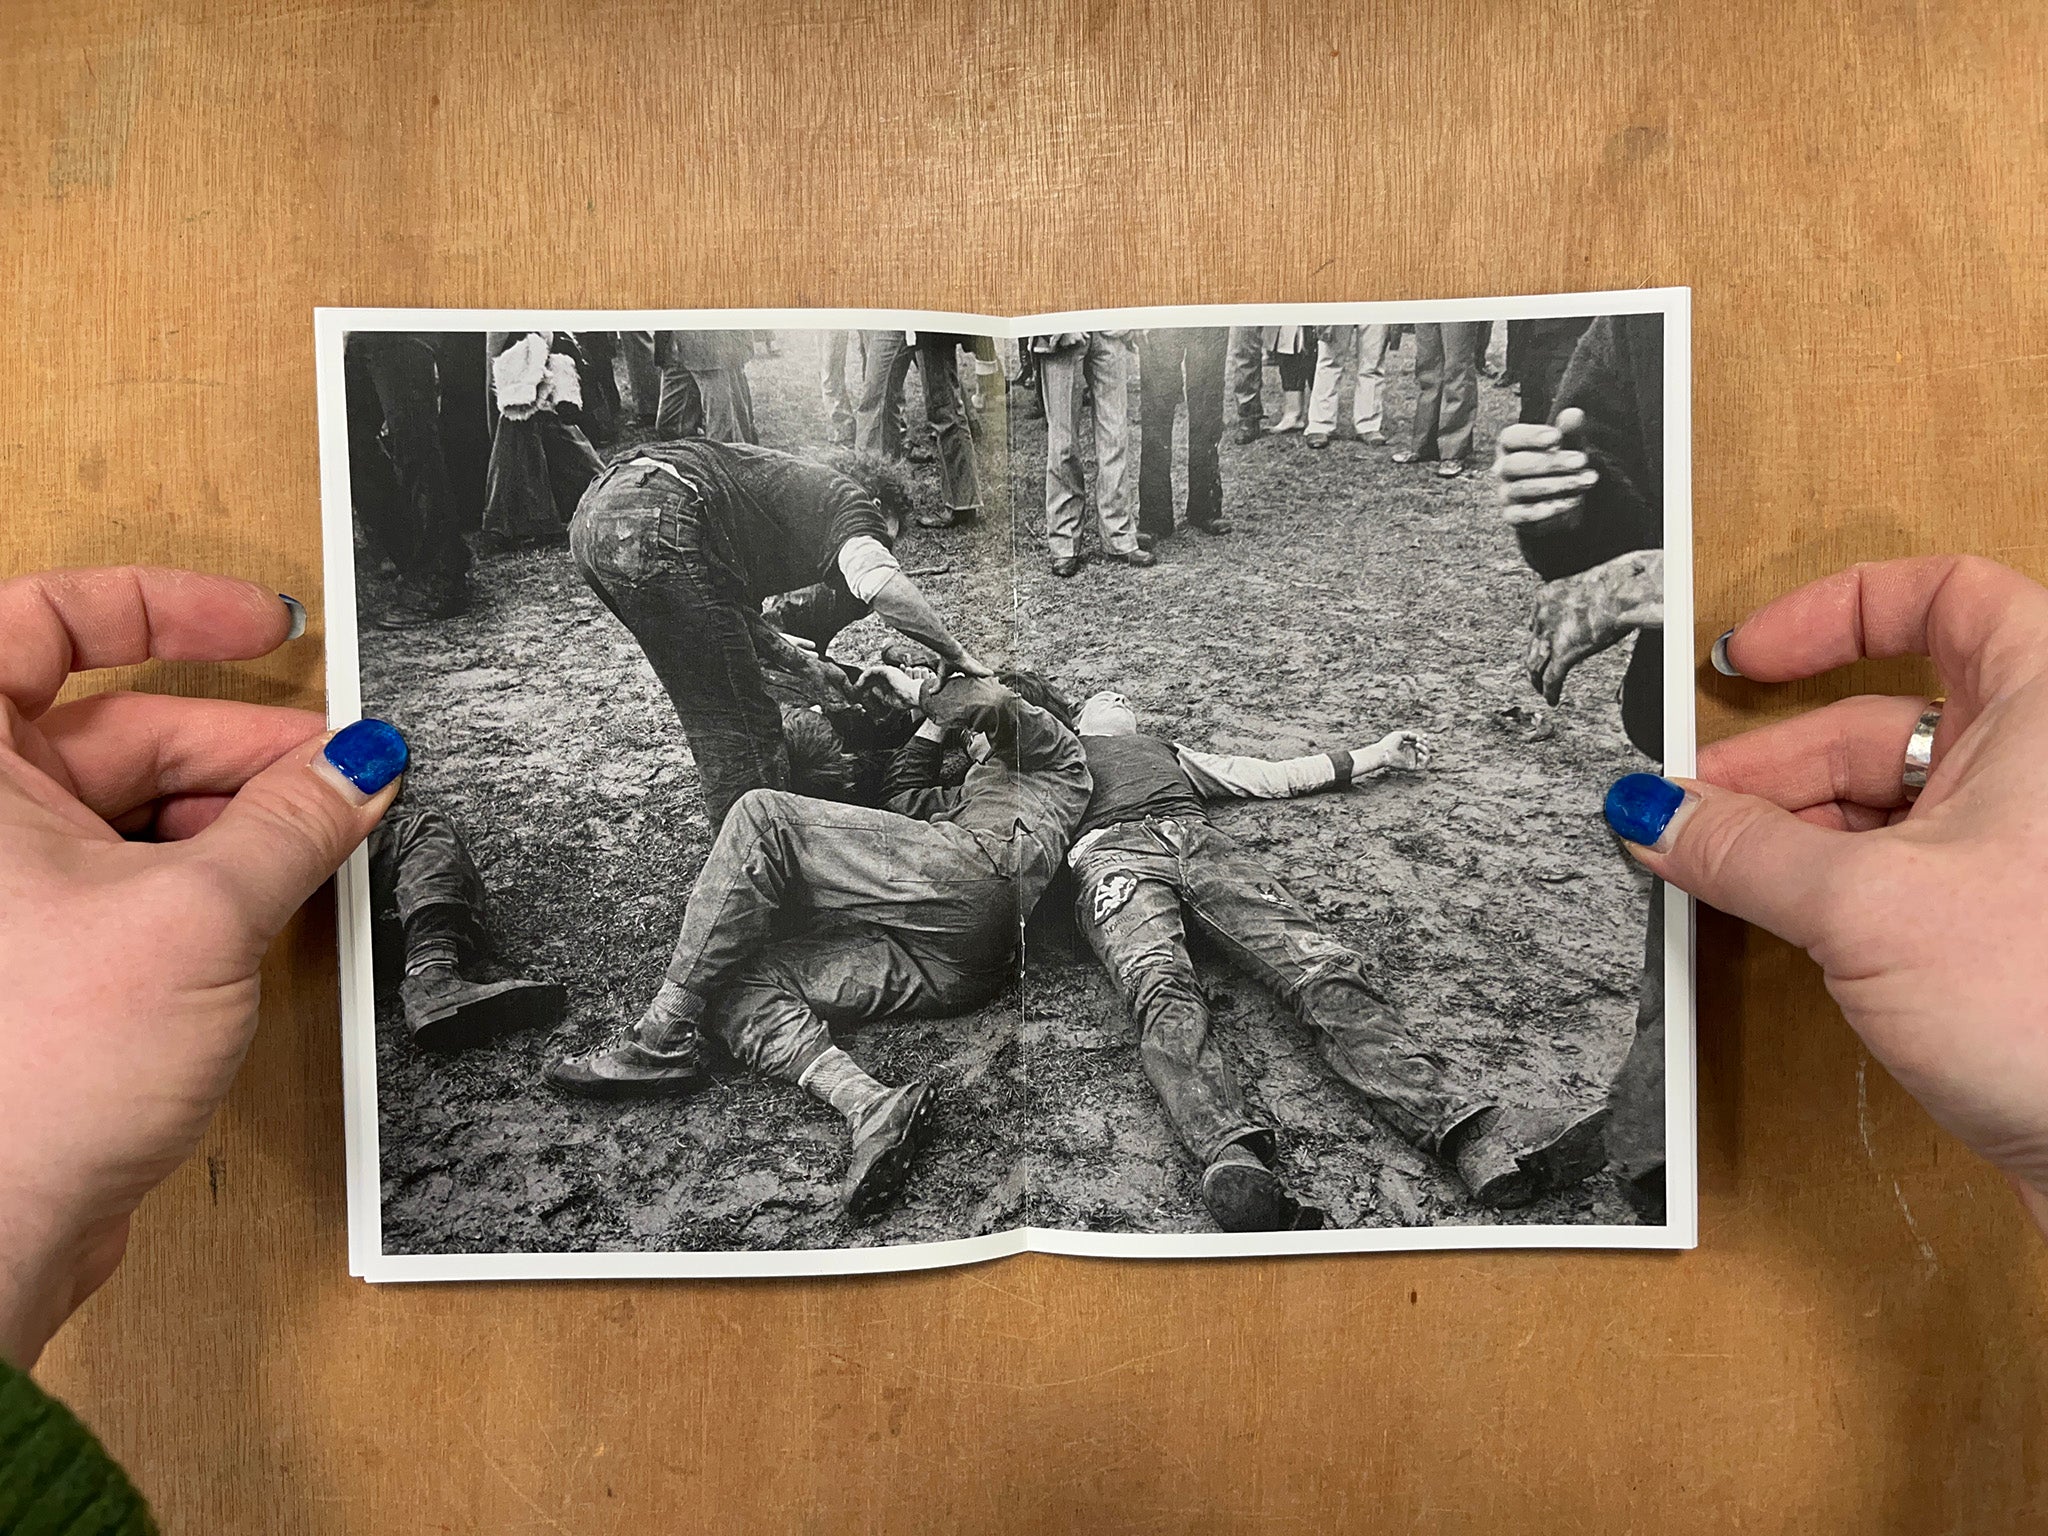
[(369, 754), (1720, 659), (297, 610), (1640, 806)]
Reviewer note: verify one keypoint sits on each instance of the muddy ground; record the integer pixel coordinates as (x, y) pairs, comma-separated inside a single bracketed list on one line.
[(1355, 596)]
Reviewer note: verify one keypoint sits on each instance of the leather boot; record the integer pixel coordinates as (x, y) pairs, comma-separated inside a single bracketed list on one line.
[(629, 1070), (445, 1010), (1509, 1157), (886, 1137)]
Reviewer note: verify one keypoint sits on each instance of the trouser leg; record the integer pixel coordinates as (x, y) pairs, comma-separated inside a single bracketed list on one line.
[(1202, 367), (930, 884), (421, 870), (1635, 1126), (1059, 375), (775, 1015), (888, 365), (1247, 367), (1460, 391), (727, 403), (427, 539), (1429, 384), (680, 410), (1159, 396), (1260, 925), (637, 552), (643, 378), (572, 463), (832, 385), (939, 367), (1129, 908), (1333, 344), (1369, 401), (372, 482), (1109, 382)]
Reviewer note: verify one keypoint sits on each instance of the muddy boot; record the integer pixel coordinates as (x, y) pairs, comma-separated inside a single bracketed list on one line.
[(886, 1136), (629, 1070), (1509, 1157), (1244, 1195), (445, 1010)]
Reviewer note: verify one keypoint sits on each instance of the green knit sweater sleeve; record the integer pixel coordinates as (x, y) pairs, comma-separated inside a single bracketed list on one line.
[(55, 1480)]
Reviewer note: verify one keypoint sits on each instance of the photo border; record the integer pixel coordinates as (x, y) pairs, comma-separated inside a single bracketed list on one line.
[(367, 1259)]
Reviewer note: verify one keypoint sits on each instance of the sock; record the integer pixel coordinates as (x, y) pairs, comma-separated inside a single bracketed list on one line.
[(672, 1015), (837, 1079)]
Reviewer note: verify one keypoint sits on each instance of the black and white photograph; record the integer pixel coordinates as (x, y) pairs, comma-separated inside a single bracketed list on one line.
[(1125, 782)]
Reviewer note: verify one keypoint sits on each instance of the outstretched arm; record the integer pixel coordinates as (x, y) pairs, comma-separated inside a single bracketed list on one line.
[(1216, 775), (904, 609)]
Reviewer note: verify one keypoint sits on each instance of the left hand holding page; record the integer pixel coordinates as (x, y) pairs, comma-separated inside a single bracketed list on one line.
[(150, 850)]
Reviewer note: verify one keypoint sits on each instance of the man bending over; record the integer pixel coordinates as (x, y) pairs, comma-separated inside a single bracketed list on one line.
[(1146, 853), (914, 909)]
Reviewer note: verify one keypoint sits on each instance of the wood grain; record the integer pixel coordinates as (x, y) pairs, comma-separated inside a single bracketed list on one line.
[(1854, 192)]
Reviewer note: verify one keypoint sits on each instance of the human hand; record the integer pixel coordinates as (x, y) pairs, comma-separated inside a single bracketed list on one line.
[(1926, 918), (1407, 750), (895, 681), (1581, 615), (1539, 475), (128, 969)]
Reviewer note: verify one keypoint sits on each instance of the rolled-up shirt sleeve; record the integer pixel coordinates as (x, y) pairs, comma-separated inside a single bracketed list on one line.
[(1216, 776), (866, 563)]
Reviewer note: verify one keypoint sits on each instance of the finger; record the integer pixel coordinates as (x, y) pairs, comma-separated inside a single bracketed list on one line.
[(292, 825), (1529, 466), (1529, 437), (1550, 487), (123, 750), (186, 816), (1853, 750), (1569, 421), (1518, 514), (1984, 624), (61, 622), (1742, 854)]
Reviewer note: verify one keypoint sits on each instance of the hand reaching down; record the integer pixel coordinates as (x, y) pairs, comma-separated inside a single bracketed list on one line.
[(1582, 615)]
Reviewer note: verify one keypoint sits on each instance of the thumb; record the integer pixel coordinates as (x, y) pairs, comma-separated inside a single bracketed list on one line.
[(1569, 421), (292, 825), (1746, 856)]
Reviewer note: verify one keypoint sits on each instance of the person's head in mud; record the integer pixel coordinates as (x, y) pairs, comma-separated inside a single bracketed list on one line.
[(885, 479), (1107, 713)]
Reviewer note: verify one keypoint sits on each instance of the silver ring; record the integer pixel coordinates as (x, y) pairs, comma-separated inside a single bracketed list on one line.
[(1920, 750)]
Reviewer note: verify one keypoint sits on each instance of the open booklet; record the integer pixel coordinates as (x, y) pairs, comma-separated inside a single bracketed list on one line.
[(893, 789)]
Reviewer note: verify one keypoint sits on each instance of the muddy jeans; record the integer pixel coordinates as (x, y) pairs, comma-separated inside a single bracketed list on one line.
[(937, 355), (635, 539), (775, 1014), (1132, 886), (914, 906), (1635, 1130), (540, 467), (418, 864)]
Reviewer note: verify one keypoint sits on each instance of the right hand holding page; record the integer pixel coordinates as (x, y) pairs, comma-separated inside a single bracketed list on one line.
[(1927, 916)]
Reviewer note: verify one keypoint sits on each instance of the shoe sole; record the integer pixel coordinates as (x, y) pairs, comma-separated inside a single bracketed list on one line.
[(505, 1014), (610, 1090), (884, 1180)]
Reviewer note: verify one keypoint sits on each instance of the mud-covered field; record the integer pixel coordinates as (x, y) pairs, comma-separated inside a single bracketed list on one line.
[(1355, 596)]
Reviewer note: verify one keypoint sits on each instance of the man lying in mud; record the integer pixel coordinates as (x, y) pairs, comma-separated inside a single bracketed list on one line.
[(811, 913), (1146, 854)]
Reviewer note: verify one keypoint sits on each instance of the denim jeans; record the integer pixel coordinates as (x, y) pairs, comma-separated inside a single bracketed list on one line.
[(937, 356), (398, 472), (1446, 389), (418, 861), (1635, 1128), (635, 540), (776, 1014), (1105, 361), (1337, 346), (832, 386), (943, 899), (1133, 887), (1174, 365), (1247, 374)]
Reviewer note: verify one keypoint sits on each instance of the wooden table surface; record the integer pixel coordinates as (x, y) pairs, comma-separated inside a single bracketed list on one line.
[(1854, 193)]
